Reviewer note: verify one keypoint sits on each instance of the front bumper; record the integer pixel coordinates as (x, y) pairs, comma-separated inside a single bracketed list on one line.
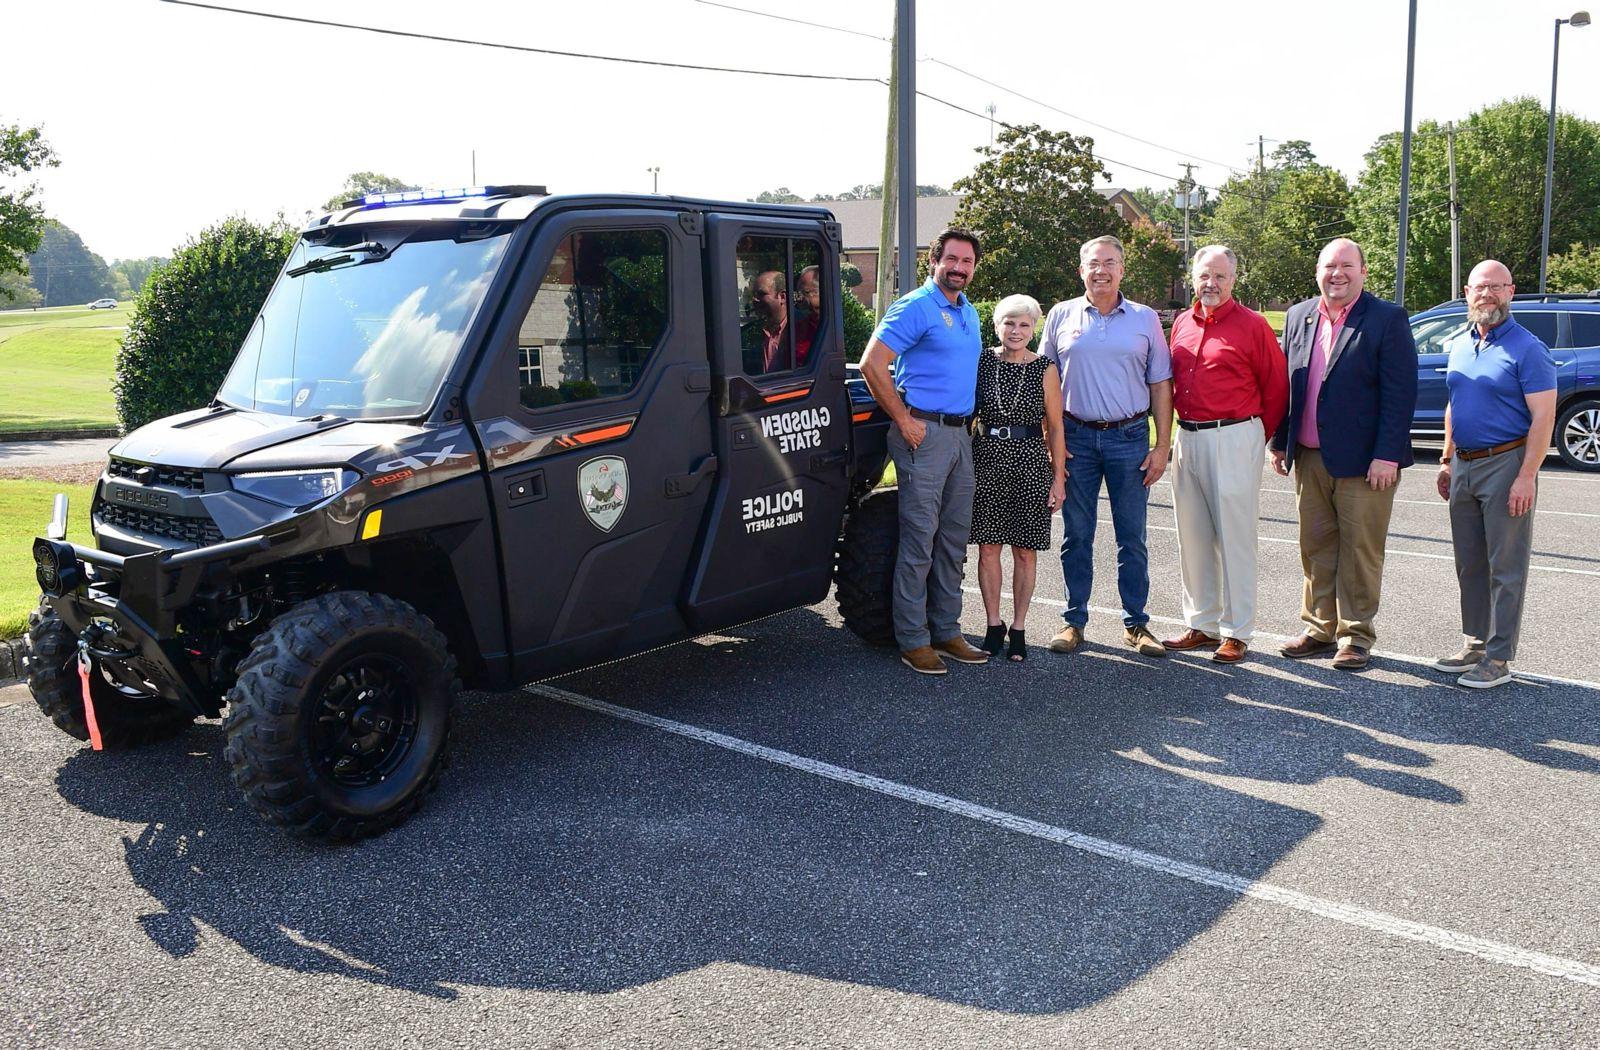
[(125, 608)]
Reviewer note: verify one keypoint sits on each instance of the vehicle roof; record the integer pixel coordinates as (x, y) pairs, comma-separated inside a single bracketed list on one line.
[(1584, 303), (519, 203)]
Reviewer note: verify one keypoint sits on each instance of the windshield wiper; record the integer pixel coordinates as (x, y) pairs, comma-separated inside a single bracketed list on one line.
[(374, 251)]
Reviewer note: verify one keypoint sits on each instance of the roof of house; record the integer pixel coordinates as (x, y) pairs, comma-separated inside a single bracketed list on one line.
[(859, 221)]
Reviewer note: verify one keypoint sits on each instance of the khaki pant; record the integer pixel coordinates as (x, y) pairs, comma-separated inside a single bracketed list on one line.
[(1492, 551), (1216, 497), (1343, 527)]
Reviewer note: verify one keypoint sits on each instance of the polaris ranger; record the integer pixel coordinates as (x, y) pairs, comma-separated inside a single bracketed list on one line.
[(481, 436)]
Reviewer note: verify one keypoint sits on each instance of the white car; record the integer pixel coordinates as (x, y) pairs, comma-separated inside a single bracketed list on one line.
[(103, 304)]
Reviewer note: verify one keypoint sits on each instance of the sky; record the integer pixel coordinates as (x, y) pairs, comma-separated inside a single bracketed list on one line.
[(169, 118)]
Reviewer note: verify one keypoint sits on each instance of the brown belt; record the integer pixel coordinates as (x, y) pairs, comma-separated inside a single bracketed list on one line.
[(1479, 453)]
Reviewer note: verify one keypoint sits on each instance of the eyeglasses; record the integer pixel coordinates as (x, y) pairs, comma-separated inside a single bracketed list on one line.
[(1495, 288)]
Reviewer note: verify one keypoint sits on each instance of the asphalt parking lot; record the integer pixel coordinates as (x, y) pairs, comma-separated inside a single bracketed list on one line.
[(778, 837)]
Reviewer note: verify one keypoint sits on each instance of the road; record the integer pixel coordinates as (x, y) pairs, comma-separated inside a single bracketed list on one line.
[(778, 837)]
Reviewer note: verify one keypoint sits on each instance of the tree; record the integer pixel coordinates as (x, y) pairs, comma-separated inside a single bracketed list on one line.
[(192, 315), (1153, 264), (137, 271), (1032, 202), (17, 291), (1500, 187), (362, 183), (781, 195), (21, 218), (866, 191), (1576, 269), (1277, 219), (65, 271)]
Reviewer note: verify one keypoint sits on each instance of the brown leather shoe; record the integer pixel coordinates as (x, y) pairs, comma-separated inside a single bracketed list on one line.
[(1231, 651), (1141, 641), (1190, 639), (1351, 658), (1067, 639), (923, 660), (1305, 646), (961, 651)]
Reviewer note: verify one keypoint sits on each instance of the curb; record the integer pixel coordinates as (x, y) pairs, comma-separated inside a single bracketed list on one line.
[(59, 435), (10, 660)]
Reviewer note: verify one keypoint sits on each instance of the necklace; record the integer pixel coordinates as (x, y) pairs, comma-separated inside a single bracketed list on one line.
[(1008, 410)]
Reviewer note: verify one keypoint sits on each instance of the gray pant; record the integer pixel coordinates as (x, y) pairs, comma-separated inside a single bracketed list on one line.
[(935, 523), (1492, 551)]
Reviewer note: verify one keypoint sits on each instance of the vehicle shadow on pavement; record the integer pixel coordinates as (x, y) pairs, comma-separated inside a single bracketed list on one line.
[(571, 851)]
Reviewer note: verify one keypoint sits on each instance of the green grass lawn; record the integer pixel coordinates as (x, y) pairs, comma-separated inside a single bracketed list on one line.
[(56, 374), (1275, 319), (24, 513)]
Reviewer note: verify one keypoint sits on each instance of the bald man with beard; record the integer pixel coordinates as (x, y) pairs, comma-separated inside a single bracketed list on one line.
[(1497, 429)]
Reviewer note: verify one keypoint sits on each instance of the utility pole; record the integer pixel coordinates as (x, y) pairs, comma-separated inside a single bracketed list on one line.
[(906, 142), (1455, 211), (989, 109), (1405, 163), (1261, 154), (883, 293), (474, 181)]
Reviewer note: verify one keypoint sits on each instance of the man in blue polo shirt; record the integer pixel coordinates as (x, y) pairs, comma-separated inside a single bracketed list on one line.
[(931, 338), (1496, 433)]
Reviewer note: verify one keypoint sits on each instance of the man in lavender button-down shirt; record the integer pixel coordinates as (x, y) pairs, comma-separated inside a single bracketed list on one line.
[(1115, 372)]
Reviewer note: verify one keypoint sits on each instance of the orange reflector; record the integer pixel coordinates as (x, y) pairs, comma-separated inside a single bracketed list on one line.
[(589, 437), (861, 417), (788, 395), (374, 523)]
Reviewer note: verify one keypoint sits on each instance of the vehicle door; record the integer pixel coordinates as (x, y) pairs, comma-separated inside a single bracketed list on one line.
[(1432, 335), (594, 417), (781, 419)]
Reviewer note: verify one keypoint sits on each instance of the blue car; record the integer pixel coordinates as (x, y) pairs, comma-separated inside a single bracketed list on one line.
[(1568, 324)]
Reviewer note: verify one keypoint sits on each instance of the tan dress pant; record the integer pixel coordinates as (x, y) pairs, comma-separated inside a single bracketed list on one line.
[(1344, 525), (1216, 498)]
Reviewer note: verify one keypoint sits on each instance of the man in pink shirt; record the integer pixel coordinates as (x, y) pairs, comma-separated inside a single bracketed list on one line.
[(1352, 391)]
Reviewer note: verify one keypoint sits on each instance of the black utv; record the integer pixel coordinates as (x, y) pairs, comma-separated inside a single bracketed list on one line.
[(483, 437)]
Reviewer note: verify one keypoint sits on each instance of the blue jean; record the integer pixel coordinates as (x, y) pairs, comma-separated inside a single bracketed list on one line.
[(1111, 457)]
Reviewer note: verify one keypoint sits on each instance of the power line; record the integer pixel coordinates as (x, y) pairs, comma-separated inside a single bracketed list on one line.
[(796, 21), (521, 47)]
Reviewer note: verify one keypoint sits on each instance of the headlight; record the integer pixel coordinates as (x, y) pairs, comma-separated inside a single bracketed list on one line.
[(295, 488)]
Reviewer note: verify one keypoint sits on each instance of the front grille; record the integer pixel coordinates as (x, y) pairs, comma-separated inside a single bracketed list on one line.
[(175, 477), (202, 531)]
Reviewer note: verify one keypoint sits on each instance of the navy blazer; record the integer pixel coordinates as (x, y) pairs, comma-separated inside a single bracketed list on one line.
[(1369, 390)]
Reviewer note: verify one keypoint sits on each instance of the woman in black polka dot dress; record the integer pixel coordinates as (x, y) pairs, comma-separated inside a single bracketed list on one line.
[(1019, 459)]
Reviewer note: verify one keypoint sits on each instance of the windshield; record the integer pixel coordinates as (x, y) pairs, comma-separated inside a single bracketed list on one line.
[(364, 327)]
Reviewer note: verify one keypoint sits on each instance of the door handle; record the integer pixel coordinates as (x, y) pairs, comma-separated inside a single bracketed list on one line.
[(680, 485), (823, 460)]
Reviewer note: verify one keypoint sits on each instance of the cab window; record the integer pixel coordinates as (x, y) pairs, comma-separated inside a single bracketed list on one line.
[(783, 302), (599, 313)]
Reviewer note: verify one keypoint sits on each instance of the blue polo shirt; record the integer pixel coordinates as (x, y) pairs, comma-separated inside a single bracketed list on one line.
[(1489, 379), (1107, 361), (938, 345)]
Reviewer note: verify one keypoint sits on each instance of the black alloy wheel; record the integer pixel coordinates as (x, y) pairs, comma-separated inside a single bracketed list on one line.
[(368, 722)]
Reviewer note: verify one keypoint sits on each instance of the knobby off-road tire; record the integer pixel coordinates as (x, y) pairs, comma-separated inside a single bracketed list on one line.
[(126, 718), (338, 723), (863, 574)]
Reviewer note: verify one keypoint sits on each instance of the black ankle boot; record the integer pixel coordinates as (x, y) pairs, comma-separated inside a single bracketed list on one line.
[(1018, 649), (994, 639)]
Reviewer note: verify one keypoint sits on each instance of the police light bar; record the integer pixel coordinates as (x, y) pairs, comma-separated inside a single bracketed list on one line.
[(461, 193)]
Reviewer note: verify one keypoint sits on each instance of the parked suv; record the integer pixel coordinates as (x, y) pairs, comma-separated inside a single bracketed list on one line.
[(1569, 326)]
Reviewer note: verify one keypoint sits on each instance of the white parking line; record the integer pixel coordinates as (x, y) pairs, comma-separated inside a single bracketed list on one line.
[(1409, 658), (1363, 918)]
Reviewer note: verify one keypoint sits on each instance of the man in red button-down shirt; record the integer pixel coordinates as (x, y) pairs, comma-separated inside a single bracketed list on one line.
[(1230, 388)]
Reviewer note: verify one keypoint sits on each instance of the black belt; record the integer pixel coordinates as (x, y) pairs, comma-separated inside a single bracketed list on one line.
[(1035, 430), (1213, 424), (1109, 424), (940, 417)]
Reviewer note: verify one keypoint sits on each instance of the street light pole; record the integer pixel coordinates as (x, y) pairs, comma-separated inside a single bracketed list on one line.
[(1405, 163), (1578, 20), (655, 178), (906, 148)]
